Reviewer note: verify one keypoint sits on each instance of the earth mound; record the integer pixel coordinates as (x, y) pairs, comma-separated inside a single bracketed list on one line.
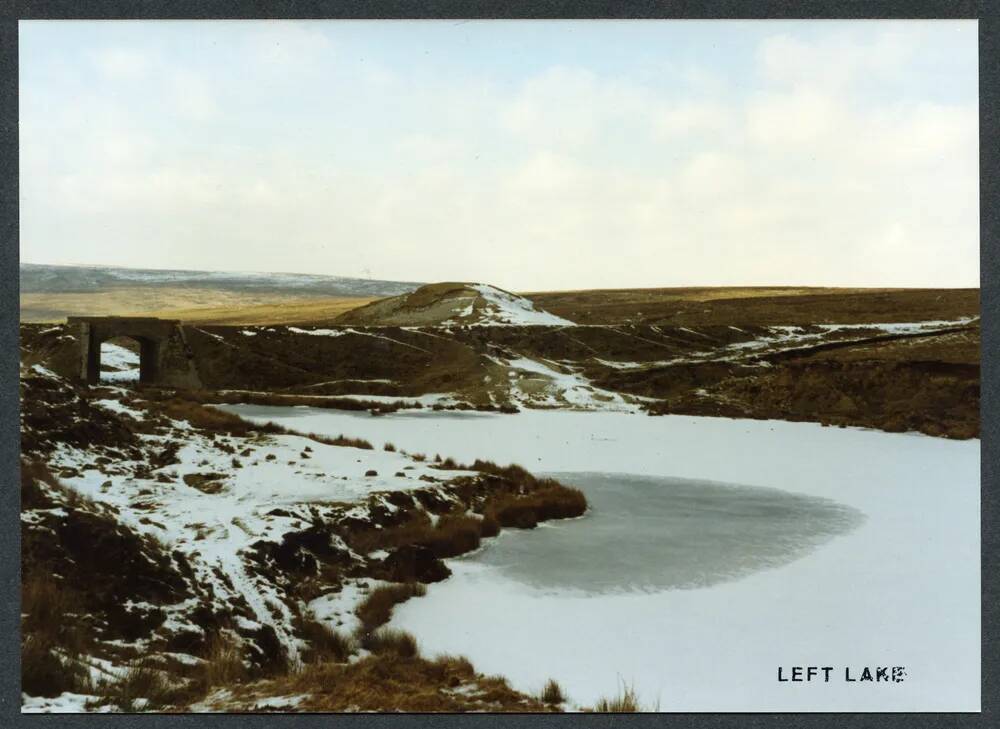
[(453, 304)]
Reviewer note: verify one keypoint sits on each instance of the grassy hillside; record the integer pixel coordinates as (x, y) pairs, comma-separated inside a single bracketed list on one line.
[(51, 293), (710, 306), (201, 305)]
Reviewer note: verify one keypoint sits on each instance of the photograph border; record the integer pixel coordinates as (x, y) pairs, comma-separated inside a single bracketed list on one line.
[(989, 132)]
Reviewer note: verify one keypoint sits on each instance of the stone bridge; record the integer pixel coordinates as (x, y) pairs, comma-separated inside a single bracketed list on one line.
[(164, 355)]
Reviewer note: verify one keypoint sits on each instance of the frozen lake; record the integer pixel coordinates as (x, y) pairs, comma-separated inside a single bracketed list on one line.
[(857, 548), (645, 534)]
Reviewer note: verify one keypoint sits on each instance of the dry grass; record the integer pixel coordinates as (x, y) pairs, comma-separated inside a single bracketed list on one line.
[(190, 304), (376, 609), (342, 440), (223, 664), (45, 673), (140, 681), (303, 311), (552, 693), (390, 682), (45, 605), (34, 472), (179, 406), (549, 502), (625, 702), (391, 642), (519, 500), (50, 625), (748, 305), (454, 534), (690, 293), (327, 402), (325, 644)]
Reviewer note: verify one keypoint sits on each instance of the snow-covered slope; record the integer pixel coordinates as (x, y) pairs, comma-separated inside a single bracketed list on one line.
[(502, 307), (176, 529)]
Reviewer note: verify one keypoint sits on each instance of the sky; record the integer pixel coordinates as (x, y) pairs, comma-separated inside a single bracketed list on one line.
[(533, 155)]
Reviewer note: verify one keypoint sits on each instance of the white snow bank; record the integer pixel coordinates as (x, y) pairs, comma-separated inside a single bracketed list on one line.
[(117, 406), (124, 363), (44, 371), (561, 389), (505, 308), (320, 332), (64, 703), (427, 399), (336, 609)]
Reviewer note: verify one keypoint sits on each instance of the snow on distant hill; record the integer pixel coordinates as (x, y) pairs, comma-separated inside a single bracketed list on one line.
[(42, 278), (504, 308)]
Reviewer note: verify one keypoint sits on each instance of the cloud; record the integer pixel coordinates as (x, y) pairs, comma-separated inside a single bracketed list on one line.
[(693, 117), (560, 176), (797, 118), (837, 60), (192, 96), (286, 46), (570, 107), (122, 64)]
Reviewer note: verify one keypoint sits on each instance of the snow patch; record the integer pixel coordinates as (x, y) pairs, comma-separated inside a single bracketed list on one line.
[(503, 308)]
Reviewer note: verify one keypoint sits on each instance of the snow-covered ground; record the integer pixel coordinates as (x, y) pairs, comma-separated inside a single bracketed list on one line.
[(902, 589), (122, 363), (780, 338), (541, 383)]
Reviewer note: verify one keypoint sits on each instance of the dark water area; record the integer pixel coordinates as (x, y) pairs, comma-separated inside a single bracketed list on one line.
[(651, 533)]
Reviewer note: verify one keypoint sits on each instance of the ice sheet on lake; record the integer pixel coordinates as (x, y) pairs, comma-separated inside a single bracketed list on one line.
[(645, 534)]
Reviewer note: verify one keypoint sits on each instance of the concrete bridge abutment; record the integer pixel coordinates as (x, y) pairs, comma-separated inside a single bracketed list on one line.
[(164, 356)]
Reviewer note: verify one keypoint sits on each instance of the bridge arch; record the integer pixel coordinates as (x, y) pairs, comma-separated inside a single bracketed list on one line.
[(164, 358)]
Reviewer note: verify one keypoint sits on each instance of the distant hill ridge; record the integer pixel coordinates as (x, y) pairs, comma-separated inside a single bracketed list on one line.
[(44, 278), (453, 304)]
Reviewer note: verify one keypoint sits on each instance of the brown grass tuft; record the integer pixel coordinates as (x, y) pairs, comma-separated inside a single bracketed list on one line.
[(388, 682), (185, 405), (250, 397), (45, 673), (343, 440), (553, 501), (454, 534), (552, 693), (454, 664), (139, 681), (326, 645), (389, 641), (376, 609), (223, 664), (45, 604), (626, 702), (48, 626)]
